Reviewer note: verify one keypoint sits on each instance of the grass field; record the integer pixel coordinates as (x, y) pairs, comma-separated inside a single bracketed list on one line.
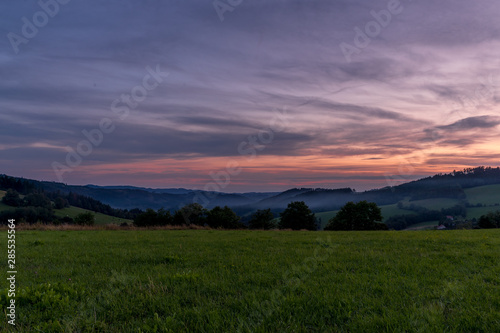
[(387, 212), (487, 195), (435, 203), (72, 211), (100, 219), (225, 281), (423, 225), (477, 212)]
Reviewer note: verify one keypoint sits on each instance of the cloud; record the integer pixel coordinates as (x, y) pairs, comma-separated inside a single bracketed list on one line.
[(400, 94), (480, 122)]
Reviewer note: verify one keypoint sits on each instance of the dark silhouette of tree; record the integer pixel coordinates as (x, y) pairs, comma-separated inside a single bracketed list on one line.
[(146, 219), (164, 217), (12, 198), (223, 218), (85, 219), (262, 219), (357, 216), (191, 214), (60, 203), (151, 218), (297, 216), (37, 200), (490, 220)]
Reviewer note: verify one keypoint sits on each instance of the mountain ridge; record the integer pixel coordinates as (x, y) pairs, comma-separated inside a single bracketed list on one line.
[(449, 185)]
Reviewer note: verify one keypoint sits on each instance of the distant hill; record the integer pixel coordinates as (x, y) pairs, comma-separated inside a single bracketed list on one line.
[(72, 211), (453, 186)]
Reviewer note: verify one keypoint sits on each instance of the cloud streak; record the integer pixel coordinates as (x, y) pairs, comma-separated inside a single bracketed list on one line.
[(426, 85)]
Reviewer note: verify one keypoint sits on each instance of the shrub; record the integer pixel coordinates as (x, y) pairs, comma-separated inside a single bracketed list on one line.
[(11, 198), (85, 219), (490, 220)]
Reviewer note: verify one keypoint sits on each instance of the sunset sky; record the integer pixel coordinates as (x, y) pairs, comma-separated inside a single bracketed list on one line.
[(263, 95)]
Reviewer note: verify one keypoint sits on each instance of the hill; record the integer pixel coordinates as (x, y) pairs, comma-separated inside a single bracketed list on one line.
[(477, 189), (72, 211)]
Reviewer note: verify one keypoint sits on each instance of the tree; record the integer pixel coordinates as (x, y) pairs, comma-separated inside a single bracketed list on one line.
[(490, 220), (191, 214), (12, 198), (152, 218), (163, 217), (262, 219), (223, 218), (85, 219), (146, 219), (38, 200), (363, 215), (60, 203), (297, 216)]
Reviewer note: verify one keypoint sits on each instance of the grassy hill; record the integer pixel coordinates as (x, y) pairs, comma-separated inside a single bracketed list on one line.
[(488, 196), (2, 205), (387, 212), (434, 203), (72, 212), (99, 218), (244, 281)]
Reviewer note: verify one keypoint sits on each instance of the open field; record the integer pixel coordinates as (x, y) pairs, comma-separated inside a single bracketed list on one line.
[(219, 281), (72, 212), (423, 225), (477, 212), (487, 195), (387, 212), (100, 219), (434, 203)]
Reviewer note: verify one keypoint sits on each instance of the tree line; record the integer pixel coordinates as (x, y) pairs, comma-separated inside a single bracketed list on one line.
[(297, 216), (31, 203)]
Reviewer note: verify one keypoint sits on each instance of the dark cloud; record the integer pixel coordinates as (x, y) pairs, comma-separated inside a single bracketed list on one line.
[(480, 122)]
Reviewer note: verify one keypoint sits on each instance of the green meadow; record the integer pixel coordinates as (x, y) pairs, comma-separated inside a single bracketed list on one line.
[(72, 211), (255, 281), (488, 196), (100, 219)]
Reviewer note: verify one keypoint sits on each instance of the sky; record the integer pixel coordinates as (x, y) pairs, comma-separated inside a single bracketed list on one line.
[(241, 95)]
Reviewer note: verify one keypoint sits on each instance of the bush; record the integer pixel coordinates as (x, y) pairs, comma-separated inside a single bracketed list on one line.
[(37, 200), (64, 220), (490, 220), (85, 219), (12, 198), (60, 203)]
